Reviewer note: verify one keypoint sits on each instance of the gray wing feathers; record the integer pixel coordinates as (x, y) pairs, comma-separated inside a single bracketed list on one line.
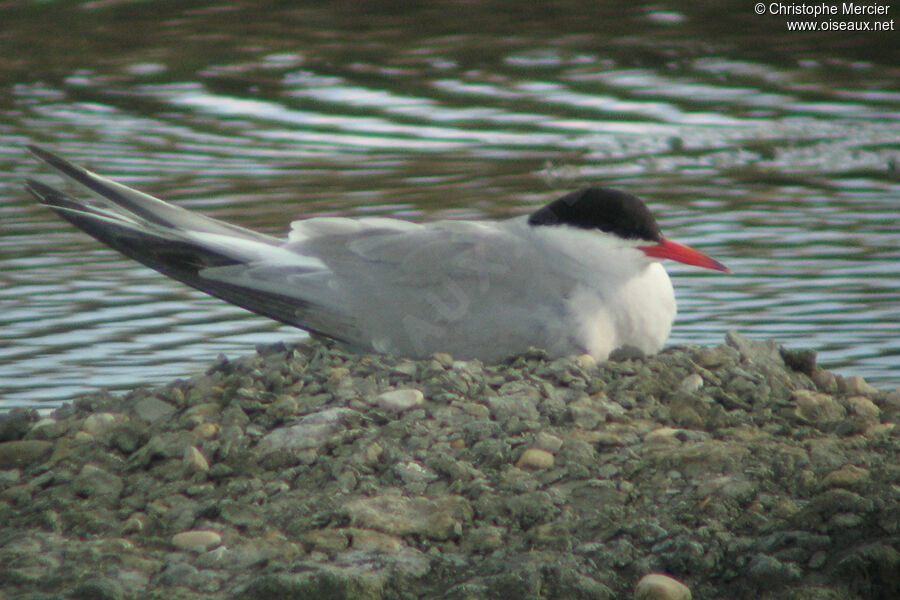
[(409, 256), (232, 263), (463, 287)]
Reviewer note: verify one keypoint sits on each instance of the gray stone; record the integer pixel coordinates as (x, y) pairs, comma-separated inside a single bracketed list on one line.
[(152, 409), (398, 515), (312, 432), (21, 453), (725, 482), (16, 423), (97, 483)]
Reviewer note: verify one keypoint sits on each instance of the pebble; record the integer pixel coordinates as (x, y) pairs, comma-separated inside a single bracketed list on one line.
[(683, 412), (199, 413), (825, 381), (880, 430), (847, 476), (368, 540), (206, 431), (96, 482), (771, 571), (862, 406), (194, 461), (548, 441), (15, 423), (816, 407), (284, 407), (710, 358), (483, 539), (584, 413), (406, 367), (516, 401), (312, 431), (438, 519), (99, 422), (197, 540), (327, 540), (663, 436), (10, 476), (134, 524), (690, 384), (535, 458), (321, 480), (414, 472), (46, 428), (20, 453), (855, 384), (182, 575), (657, 586), (152, 409), (443, 359), (132, 579), (893, 397), (400, 400), (586, 361)]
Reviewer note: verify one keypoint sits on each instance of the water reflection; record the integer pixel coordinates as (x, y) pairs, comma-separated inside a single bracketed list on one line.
[(774, 153)]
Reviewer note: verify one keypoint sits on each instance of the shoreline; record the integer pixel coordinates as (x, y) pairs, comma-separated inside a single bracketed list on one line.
[(744, 470)]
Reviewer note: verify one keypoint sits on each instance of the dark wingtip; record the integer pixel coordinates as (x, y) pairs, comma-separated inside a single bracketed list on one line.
[(51, 159), (38, 189), (48, 196), (40, 153)]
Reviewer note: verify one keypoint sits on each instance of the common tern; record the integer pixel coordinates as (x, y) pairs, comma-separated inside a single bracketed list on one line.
[(582, 275)]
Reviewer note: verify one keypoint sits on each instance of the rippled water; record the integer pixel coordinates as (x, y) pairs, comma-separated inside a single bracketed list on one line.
[(776, 153)]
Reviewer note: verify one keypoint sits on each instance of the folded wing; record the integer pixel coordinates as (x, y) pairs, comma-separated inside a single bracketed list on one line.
[(374, 283)]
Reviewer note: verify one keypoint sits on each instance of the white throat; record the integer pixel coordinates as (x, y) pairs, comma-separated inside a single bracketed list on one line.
[(621, 296)]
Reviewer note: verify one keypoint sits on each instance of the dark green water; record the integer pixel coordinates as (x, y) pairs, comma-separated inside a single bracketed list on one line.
[(775, 152)]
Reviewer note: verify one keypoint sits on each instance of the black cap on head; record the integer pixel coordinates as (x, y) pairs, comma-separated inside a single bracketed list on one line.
[(608, 210)]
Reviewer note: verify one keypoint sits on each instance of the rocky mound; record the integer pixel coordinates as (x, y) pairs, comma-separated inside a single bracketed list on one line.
[(744, 470)]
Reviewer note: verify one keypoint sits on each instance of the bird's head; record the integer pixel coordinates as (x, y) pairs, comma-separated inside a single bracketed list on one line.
[(623, 219)]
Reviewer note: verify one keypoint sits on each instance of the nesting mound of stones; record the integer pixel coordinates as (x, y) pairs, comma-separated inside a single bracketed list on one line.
[(744, 471)]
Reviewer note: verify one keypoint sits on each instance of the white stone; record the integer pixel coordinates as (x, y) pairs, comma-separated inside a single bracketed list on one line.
[(98, 422), (194, 460), (414, 472), (691, 383), (311, 432), (197, 540), (663, 436), (400, 400), (586, 361), (207, 431), (535, 458), (656, 586)]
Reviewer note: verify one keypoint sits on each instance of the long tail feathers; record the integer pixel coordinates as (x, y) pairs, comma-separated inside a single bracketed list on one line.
[(180, 243), (140, 205)]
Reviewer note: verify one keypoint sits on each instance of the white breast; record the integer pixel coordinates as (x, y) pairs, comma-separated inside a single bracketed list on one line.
[(639, 312)]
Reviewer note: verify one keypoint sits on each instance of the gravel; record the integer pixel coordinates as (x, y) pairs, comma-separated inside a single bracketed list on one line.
[(741, 471)]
